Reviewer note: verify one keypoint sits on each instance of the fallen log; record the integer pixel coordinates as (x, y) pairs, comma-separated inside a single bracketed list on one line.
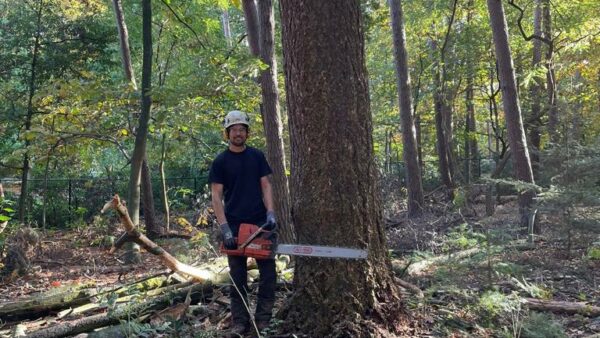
[(167, 259), (73, 296), (410, 287), (418, 267), (563, 307), (196, 292), (94, 307), (48, 301)]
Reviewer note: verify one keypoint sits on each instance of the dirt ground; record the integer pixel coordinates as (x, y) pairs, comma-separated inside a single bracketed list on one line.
[(458, 298)]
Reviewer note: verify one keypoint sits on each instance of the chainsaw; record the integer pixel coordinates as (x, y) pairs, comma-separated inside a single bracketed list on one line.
[(254, 241)]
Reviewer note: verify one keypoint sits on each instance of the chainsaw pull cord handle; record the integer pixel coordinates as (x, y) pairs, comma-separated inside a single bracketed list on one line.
[(253, 236)]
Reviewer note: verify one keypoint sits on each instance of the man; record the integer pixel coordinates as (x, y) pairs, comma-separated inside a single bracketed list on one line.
[(239, 176)]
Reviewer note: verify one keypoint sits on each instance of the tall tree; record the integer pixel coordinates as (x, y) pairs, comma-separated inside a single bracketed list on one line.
[(512, 109), (29, 114), (535, 120), (443, 108), (550, 74), (146, 180), (471, 149), (271, 117), (251, 16), (334, 192), (124, 42), (411, 160), (139, 150)]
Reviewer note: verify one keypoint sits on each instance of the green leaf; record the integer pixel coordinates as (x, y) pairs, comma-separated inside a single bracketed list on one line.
[(4, 218), (9, 210)]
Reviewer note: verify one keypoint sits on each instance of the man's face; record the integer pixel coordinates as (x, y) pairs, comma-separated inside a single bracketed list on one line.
[(238, 134)]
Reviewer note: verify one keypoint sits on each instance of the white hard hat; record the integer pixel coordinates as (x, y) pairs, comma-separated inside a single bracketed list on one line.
[(236, 117)]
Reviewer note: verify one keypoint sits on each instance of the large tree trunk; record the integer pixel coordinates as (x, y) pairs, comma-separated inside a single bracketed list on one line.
[(271, 117), (512, 110), (411, 160), (139, 151), (29, 116), (334, 192), (535, 120)]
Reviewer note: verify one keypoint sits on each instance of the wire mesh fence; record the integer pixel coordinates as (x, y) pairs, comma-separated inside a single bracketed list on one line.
[(63, 201)]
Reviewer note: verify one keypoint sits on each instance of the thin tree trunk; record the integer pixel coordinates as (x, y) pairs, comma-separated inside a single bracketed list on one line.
[(334, 194), (410, 154), (535, 121), (272, 120), (575, 133), (550, 75), (442, 146), (3, 224), (226, 27), (29, 116), (163, 180), (251, 17), (152, 229), (124, 42), (471, 148), (139, 151), (512, 109), (419, 135)]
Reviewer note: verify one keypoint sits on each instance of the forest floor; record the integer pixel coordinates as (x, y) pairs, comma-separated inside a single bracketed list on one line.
[(477, 295)]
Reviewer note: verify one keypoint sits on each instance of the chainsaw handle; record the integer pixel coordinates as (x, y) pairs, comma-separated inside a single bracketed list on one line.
[(253, 236)]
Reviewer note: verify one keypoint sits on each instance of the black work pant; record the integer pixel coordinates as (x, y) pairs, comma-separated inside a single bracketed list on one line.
[(238, 292)]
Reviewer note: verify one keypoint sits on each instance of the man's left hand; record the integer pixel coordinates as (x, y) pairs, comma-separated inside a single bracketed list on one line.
[(271, 221)]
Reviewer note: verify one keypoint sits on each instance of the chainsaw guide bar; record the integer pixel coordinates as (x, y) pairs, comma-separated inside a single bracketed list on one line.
[(254, 241)]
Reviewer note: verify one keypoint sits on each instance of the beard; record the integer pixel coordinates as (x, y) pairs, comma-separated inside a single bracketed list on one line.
[(238, 141)]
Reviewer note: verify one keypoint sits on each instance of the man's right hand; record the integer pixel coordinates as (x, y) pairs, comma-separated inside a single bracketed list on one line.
[(228, 240)]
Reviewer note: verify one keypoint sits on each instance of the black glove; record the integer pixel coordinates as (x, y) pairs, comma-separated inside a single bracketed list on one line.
[(271, 224), (228, 240)]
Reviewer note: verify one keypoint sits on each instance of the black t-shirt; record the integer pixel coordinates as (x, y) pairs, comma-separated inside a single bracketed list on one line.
[(240, 174)]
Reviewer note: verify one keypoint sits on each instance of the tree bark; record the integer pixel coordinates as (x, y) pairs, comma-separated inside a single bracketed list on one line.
[(226, 27), (251, 17), (535, 120), (512, 109), (563, 307), (124, 42), (442, 145), (410, 155), (165, 197), (550, 76), (46, 302), (334, 192), (271, 117), (152, 229), (139, 151), (471, 148)]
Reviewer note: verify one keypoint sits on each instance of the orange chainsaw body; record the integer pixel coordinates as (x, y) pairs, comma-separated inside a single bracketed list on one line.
[(259, 248)]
